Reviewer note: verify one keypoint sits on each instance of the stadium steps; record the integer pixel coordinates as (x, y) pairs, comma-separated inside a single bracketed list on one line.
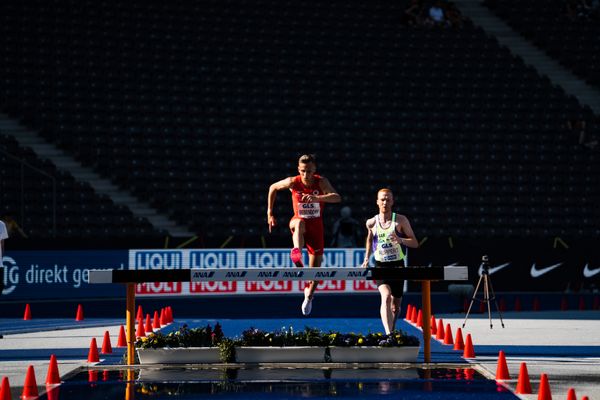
[(531, 55), (43, 149)]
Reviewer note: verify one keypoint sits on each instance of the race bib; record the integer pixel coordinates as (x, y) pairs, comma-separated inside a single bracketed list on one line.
[(309, 210), (388, 251)]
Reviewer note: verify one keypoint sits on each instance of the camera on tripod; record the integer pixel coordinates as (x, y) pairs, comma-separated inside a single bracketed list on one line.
[(488, 292), (485, 265)]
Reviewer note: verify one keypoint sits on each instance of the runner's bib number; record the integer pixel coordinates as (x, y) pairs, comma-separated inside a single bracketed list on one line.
[(309, 210)]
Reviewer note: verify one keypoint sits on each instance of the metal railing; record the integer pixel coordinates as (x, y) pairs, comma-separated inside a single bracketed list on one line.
[(24, 164)]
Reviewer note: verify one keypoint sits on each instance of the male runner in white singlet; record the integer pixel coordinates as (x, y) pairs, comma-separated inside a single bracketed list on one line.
[(387, 233)]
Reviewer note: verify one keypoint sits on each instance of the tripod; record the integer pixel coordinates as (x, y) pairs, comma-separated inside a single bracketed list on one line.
[(487, 289)]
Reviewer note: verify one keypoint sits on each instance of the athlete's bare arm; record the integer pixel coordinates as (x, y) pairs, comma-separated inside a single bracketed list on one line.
[(273, 189), (329, 194), (410, 240), (369, 243)]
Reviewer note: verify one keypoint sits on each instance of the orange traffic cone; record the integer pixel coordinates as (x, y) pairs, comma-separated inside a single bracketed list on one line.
[(536, 304), (30, 389), (148, 326), (141, 332), (571, 394), (170, 313), (502, 304), (79, 316), (544, 390), (440, 330), (585, 398), (93, 353), (469, 350), (459, 344), (502, 369), (518, 304), (27, 314), (5, 389), (52, 392), (469, 374), (523, 384), (433, 326), (140, 312), (413, 319), (448, 335), (155, 321), (92, 375), (163, 320), (408, 312), (581, 303), (420, 319), (106, 346), (122, 341), (52, 377)]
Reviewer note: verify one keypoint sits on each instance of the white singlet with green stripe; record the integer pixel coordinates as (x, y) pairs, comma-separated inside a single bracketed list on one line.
[(386, 249)]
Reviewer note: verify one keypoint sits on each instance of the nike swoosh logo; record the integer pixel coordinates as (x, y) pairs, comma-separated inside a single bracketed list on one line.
[(537, 272), (588, 273), (493, 269)]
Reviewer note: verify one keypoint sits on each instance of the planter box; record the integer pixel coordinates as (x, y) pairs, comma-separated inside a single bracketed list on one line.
[(374, 354), (210, 355), (179, 355), (279, 354)]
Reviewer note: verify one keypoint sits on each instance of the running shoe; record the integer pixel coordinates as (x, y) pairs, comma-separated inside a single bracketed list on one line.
[(296, 256), (307, 304)]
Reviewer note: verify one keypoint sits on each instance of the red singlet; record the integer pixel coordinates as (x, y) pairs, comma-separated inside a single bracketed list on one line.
[(311, 213)]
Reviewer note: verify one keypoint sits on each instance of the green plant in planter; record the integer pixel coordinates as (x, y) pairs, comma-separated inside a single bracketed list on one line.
[(394, 339), (227, 350), (315, 337), (183, 337), (282, 338), (253, 337)]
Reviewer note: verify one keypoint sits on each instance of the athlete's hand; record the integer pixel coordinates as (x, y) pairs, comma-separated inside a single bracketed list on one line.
[(308, 198), (271, 221), (365, 263)]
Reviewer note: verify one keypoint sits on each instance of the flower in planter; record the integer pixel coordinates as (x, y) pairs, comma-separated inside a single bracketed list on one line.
[(394, 339), (183, 337), (315, 337), (282, 338)]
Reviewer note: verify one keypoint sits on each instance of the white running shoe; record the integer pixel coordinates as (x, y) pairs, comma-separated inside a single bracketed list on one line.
[(307, 304)]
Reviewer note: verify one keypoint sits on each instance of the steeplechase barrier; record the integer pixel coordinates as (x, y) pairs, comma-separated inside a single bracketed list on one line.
[(416, 273)]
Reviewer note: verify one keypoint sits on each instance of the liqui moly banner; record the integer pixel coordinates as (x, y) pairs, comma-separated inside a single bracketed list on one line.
[(514, 265), (240, 259)]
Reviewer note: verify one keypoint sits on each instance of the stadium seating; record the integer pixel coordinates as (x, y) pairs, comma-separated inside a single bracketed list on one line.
[(569, 37), (49, 203), (197, 106)]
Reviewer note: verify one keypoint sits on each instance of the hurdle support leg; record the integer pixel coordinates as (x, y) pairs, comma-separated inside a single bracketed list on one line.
[(130, 322), (426, 300)]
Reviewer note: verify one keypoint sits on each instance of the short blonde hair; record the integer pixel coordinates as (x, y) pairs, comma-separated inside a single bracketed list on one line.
[(385, 190)]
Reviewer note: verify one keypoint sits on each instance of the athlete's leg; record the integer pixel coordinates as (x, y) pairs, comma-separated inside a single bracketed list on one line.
[(314, 261), (298, 228), (396, 305), (387, 317)]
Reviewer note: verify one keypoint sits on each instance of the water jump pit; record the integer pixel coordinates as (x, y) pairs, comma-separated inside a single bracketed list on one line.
[(278, 381)]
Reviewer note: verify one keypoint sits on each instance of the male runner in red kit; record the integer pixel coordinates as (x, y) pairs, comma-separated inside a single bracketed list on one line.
[(309, 193)]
